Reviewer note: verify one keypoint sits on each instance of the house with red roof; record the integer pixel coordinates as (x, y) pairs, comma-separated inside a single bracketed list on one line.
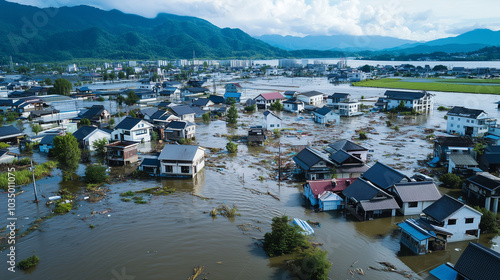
[(264, 100), (324, 194)]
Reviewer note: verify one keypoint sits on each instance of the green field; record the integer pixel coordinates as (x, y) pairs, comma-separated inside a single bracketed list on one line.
[(449, 85)]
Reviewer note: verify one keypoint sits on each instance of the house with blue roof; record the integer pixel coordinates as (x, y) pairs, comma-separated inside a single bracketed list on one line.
[(325, 115), (420, 237), (47, 143), (233, 90), (132, 129), (150, 165), (384, 176)]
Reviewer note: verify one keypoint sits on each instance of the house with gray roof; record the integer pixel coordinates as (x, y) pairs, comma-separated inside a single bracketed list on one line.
[(313, 98), (347, 165), (184, 112), (461, 220), (413, 197), (366, 201), (271, 121), (349, 147), (420, 101), (181, 160), (88, 135), (7, 157), (314, 164)]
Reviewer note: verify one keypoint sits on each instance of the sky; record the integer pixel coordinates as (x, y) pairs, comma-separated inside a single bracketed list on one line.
[(419, 20)]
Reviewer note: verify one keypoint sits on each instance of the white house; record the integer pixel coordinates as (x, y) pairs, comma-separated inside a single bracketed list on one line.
[(349, 108), (264, 100), (181, 160), (420, 101), (325, 115), (293, 105), (334, 99), (461, 220), (314, 98), (87, 135), (271, 121), (465, 121), (414, 197), (132, 129), (357, 76), (184, 112)]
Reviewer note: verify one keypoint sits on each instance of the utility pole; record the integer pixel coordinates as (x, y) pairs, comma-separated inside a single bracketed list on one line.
[(34, 182), (279, 158)]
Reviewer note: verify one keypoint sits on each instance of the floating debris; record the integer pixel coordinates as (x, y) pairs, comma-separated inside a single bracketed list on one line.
[(196, 272), (225, 211)]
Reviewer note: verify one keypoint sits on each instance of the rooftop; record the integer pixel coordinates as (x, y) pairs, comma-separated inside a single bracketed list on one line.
[(417, 191), (464, 112)]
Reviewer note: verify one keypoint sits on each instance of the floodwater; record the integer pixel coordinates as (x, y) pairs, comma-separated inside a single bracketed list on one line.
[(170, 235)]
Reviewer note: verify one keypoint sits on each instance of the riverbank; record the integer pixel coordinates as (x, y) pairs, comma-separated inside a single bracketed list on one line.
[(462, 85)]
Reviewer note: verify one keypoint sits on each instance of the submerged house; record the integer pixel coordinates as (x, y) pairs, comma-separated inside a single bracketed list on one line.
[(121, 153), (366, 201), (47, 143), (324, 194), (293, 105), (314, 164), (181, 160), (420, 101), (347, 165), (444, 146), (132, 129), (96, 115), (483, 189), (271, 121), (384, 176), (256, 135), (87, 135), (467, 122), (477, 262), (10, 134), (349, 147), (461, 220), (325, 115), (414, 197), (420, 236), (264, 100)]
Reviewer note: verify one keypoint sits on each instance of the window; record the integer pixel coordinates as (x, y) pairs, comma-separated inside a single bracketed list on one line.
[(184, 169), (412, 204), (458, 126), (140, 132), (168, 169), (458, 119), (468, 121), (469, 220), (452, 118), (451, 125), (116, 136), (272, 125), (452, 222)]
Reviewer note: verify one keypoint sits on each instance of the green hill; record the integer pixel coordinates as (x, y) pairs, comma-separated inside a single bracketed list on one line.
[(56, 34)]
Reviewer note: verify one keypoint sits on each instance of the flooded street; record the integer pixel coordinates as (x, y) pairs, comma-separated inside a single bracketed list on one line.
[(168, 236)]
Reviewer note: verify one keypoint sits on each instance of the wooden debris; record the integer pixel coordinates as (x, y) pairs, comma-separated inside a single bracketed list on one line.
[(352, 265), (275, 197), (196, 272)]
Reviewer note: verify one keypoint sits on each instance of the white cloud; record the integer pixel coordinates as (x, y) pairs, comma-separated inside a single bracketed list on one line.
[(408, 19)]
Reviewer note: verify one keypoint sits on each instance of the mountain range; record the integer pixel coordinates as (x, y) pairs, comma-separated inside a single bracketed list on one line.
[(74, 33)]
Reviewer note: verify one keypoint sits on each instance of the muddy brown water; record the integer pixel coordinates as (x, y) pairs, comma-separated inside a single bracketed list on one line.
[(168, 236)]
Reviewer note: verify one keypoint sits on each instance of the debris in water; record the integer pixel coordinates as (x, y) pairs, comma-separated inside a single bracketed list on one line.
[(352, 265), (196, 272)]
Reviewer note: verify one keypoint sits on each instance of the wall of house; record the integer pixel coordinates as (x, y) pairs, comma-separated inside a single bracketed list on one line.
[(309, 195), (461, 227), (193, 167), (271, 122), (97, 135), (457, 125), (311, 100), (406, 210)]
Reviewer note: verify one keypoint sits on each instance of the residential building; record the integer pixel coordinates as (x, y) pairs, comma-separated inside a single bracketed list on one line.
[(289, 94), (132, 129), (314, 164), (420, 236), (313, 98), (203, 103), (88, 135), (150, 165), (293, 105), (461, 164), (414, 197), (264, 100), (477, 262), (96, 114), (384, 176), (233, 90), (181, 160), (489, 161), (325, 115), (184, 112), (256, 135), (47, 143), (413, 100), (121, 153), (10, 134), (444, 146), (467, 122), (349, 108), (349, 147), (347, 165), (461, 220), (483, 189), (366, 201), (177, 130), (324, 194), (271, 121), (336, 98)]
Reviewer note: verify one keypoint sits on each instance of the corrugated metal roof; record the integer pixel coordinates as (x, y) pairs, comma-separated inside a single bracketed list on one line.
[(479, 263), (444, 272), (178, 152), (379, 204), (414, 232), (417, 191), (463, 160), (362, 190), (311, 93), (464, 112), (128, 123), (9, 130)]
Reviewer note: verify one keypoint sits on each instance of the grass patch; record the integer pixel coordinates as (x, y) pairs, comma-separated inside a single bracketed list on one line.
[(139, 200), (436, 85), (158, 190), (125, 199), (225, 211), (24, 177), (129, 193)]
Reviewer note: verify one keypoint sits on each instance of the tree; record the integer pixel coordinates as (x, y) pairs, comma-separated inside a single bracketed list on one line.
[(277, 106), (232, 147), (451, 180), (206, 117), (132, 114), (101, 98), (62, 87), (489, 221), (154, 136), (232, 114), (230, 100), (251, 108), (439, 68), (129, 71), (366, 68), (36, 128), (121, 75), (105, 76), (95, 174), (84, 121), (132, 98), (48, 82), (283, 238), (155, 77), (23, 69), (120, 99), (20, 125), (112, 76), (313, 264), (68, 154), (479, 148), (98, 146), (362, 135), (111, 122)]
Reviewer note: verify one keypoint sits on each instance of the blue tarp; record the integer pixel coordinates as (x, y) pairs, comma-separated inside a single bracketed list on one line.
[(416, 234), (433, 162), (493, 137), (444, 272)]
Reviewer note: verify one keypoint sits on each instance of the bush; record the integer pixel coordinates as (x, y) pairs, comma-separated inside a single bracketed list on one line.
[(62, 208), (100, 98), (388, 123), (28, 262), (276, 106), (95, 174), (362, 135), (313, 264), (251, 108), (4, 145), (443, 108), (206, 117), (489, 221), (232, 147), (451, 181), (396, 128), (283, 238)]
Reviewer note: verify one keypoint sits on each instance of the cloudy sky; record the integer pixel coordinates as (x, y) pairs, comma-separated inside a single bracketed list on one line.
[(420, 20)]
